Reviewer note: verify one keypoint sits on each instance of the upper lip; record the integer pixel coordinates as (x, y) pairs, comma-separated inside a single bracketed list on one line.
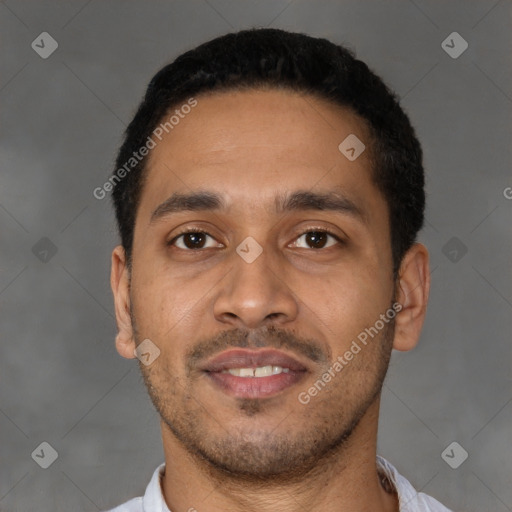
[(243, 358)]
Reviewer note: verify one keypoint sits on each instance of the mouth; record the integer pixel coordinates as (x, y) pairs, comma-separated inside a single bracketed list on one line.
[(254, 374)]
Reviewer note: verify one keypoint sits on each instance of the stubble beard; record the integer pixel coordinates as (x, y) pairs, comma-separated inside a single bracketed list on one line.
[(276, 456)]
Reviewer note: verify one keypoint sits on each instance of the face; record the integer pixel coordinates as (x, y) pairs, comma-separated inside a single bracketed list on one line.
[(253, 291)]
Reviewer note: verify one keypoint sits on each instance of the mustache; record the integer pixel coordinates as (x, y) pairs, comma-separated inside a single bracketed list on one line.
[(267, 337)]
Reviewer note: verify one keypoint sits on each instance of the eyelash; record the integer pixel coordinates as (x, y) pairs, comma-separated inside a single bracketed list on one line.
[(199, 230)]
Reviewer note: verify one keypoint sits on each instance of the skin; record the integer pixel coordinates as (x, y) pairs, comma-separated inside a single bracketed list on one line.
[(268, 454)]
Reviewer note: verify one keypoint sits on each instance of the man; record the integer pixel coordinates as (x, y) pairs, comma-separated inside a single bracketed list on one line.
[(268, 193)]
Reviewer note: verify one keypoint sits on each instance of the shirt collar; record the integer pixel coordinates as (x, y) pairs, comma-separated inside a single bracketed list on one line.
[(154, 501)]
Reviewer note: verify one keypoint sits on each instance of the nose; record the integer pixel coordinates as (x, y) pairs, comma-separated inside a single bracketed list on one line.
[(254, 294)]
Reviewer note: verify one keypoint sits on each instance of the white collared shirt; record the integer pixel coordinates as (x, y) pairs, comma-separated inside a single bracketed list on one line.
[(409, 499)]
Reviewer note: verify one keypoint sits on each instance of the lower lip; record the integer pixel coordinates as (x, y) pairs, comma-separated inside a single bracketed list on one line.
[(254, 387)]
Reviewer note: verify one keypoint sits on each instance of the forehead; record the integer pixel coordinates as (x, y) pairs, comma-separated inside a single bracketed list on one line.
[(251, 145)]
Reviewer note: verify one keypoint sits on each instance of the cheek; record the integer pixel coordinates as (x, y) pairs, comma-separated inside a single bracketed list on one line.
[(348, 302), (162, 304)]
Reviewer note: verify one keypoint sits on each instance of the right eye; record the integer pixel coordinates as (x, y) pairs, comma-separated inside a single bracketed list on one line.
[(191, 240)]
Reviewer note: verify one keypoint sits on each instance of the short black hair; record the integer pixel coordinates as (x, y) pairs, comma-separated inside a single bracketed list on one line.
[(274, 58)]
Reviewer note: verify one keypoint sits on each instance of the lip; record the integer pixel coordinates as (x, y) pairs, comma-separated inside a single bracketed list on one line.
[(253, 387), (242, 358)]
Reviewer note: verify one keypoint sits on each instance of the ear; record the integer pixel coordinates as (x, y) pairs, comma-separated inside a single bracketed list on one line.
[(413, 288), (120, 284)]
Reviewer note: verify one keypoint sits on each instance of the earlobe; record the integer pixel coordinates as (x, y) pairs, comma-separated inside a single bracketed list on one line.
[(413, 288), (125, 345), (120, 284)]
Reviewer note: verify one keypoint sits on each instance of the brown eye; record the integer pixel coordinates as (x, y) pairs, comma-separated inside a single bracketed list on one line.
[(318, 239), (191, 240)]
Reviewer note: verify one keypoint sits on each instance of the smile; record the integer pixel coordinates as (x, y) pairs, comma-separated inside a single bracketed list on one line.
[(243, 373), (260, 371)]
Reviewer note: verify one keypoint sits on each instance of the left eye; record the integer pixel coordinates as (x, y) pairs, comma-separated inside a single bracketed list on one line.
[(317, 239)]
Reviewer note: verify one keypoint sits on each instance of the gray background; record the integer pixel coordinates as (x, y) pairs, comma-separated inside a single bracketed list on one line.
[(62, 381)]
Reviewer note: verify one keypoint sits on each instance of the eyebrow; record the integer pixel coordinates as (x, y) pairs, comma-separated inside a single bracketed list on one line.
[(297, 201)]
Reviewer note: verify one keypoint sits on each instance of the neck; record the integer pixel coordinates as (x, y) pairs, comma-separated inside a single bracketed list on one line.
[(346, 480)]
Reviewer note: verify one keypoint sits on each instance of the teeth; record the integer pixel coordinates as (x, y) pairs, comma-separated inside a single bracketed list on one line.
[(246, 372), (261, 371)]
